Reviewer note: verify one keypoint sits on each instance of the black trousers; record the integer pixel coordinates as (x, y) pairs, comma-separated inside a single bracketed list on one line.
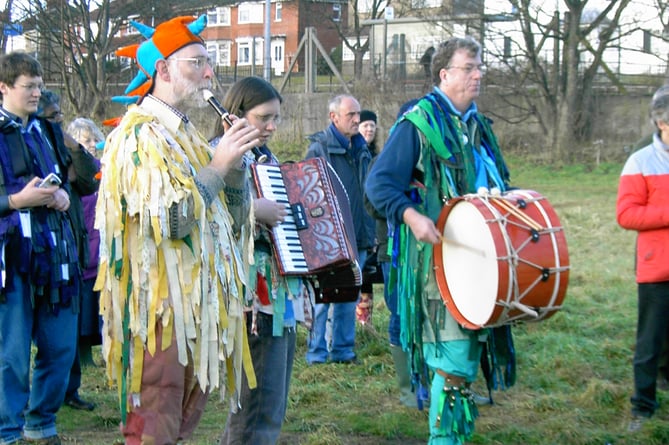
[(652, 333)]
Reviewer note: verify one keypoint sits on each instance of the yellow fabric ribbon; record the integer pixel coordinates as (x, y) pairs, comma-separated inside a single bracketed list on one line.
[(192, 287)]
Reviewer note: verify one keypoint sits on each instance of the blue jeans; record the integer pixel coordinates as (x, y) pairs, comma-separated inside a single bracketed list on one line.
[(652, 332), (343, 331), (74, 382), (259, 420), (25, 407), (390, 295)]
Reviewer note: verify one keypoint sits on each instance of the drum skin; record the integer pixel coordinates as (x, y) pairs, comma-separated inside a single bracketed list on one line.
[(503, 259)]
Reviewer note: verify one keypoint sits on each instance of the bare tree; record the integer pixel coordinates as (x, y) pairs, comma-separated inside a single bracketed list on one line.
[(5, 20), (76, 40), (355, 34), (663, 14), (558, 90)]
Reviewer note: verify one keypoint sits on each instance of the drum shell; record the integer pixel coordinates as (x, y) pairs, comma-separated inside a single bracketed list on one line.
[(531, 273)]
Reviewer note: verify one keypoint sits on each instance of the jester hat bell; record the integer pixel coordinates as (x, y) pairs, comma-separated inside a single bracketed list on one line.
[(163, 41)]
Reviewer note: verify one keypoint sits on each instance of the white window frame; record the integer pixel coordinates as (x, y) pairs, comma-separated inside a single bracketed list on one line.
[(244, 48), (336, 12), (250, 12), (131, 30), (219, 52), (278, 11), (220, 16), (246, 43)]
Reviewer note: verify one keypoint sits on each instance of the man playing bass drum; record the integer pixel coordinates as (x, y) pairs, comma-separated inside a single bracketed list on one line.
[(441, 148)]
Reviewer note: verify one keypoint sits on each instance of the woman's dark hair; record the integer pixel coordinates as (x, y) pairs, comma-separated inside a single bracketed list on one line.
[(248, 93), (244, 95)]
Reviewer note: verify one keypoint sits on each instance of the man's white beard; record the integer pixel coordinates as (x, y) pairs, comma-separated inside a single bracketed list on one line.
[(188, 95), (192, 100)]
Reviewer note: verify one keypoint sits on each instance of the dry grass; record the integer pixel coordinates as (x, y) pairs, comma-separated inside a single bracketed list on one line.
[(574, 370)]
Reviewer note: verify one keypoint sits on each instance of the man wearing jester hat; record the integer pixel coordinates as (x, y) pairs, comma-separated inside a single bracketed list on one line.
[(173, 217)]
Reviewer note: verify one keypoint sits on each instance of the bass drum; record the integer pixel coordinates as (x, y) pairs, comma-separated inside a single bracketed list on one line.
[(503, 258)]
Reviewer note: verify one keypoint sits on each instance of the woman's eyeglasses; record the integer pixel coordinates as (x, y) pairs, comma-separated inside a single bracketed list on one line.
[(267, 118)]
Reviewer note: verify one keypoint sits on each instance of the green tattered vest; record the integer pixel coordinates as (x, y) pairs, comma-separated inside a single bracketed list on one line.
[(448, 169)]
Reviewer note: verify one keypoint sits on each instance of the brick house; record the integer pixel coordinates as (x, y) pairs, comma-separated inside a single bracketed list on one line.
[(235, 33)]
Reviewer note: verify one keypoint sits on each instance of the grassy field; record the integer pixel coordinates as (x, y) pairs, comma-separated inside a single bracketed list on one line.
[(574, 370)]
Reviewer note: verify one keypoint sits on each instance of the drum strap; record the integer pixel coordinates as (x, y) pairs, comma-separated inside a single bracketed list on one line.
[(454, 143), (436, 140)]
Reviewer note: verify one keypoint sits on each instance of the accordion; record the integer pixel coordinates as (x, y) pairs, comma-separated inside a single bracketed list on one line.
[(317, 238)]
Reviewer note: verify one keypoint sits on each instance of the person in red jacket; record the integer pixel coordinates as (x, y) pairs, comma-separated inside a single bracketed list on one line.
[(642, 205)]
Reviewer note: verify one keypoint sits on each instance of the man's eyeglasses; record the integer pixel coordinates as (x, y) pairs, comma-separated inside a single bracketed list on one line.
[(31, 86), (267, 118), (198, 63), (468, 69)]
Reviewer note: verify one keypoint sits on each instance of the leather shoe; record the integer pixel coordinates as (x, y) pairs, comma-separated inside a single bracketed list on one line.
[(75, 402)]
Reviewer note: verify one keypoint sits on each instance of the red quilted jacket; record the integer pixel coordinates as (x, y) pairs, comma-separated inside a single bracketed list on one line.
[(643, 205)]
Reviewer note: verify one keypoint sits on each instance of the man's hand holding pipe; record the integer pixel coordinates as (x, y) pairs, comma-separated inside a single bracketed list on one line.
[(237, 140)]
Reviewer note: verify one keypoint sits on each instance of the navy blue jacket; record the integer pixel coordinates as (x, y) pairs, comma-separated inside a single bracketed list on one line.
[(393, 171)]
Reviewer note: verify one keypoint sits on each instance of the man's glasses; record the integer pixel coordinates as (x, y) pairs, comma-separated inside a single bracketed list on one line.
[(31, 86), (199, 63), (468, 69), (267, 118)]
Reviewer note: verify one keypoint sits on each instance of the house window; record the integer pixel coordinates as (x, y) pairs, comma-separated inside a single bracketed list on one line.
[(250, 13), (219, 52), (278, 11), (507, 47), (219, 16), (244, 53), (212, 49), (129, 28), (336, 12), (646, 41), (223, 55)]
